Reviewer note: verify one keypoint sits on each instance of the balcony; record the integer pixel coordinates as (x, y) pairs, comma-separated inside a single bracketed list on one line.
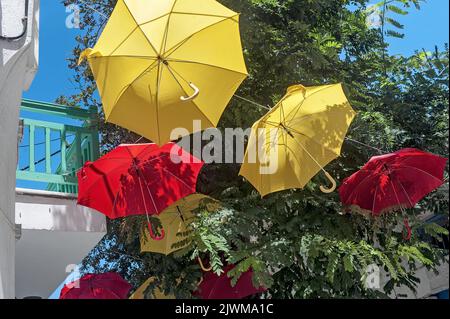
[(54, 232), (51, 152)]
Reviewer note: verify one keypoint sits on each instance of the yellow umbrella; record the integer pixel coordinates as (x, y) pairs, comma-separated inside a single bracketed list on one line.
[(159, 65), (175, 221), (297, 138), (156, 293)]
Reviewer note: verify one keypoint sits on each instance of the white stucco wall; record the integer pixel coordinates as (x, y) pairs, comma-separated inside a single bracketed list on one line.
[(56, 233), (18, 64)]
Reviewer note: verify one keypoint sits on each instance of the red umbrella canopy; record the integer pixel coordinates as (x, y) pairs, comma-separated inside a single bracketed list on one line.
[(393, 181), (219, 287), (101, 286), (141, 179)]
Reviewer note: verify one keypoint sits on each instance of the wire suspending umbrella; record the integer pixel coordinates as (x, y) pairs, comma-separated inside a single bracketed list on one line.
[(160, 65), (141, 179), (300, 136), (97, 286)]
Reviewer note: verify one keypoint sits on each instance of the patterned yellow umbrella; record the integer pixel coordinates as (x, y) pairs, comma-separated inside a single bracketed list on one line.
[(175, 221), (297, 138), (159, 65)]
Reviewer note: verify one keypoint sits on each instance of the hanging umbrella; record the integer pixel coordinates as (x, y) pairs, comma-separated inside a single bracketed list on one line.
[(175, 221), (156, 293), (159, 65), (219, 287), (97, 286), (298, 137), (393, 181), (141, 179)]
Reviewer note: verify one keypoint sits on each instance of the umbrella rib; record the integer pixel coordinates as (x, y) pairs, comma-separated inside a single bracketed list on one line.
[(418, 169), (374, 198), (172, 71), (135, 21), (158, 85), (209, 26), (205, 64), (154, 19), (296, 120), (359, 185), (143, 196), (179, 179), (123, 41), (205, 15), (312, 139), (142, 191), (407, 196), (301, 103), (166, 30), (395, 193), (144, 57), (103, 178), (142, 151), (295, 156), (149, 69), (115, 201), (272, 144)]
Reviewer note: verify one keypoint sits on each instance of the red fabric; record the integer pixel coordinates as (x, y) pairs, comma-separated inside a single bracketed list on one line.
[(219, 287), (398, 179), (138, 179), (102, 286)]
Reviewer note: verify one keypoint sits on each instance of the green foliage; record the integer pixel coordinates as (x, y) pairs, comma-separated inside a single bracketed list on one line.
[(386, 9), (299, 243)]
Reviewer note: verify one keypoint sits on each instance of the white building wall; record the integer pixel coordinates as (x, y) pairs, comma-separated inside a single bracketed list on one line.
[(56, 234), (18, 64)]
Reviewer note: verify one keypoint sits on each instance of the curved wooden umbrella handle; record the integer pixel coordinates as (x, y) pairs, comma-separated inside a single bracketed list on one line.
[(152, 234), (200, 262), (193, 96), (333, 185)]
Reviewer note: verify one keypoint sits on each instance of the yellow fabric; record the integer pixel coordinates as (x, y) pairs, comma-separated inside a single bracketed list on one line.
[(173, 225), (157, 293), (149, 53), (315, 120)]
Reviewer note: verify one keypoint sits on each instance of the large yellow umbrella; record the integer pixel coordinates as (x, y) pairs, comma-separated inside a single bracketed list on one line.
[(159, 65), (175, 221), (297, 138), (156, 293)]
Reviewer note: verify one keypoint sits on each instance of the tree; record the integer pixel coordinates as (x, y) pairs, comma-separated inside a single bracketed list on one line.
[(299, 243)]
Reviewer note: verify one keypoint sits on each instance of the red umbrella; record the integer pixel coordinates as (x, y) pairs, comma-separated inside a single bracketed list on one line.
[(219, 287), (102, 286), (393, 181), (141, 179)]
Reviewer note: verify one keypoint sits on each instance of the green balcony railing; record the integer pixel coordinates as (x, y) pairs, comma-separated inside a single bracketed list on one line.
[(75, 144)]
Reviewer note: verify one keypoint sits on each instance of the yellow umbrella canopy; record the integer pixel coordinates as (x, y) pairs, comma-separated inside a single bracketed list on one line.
[(156, 293), (175, 221), (297, 138), (159, 65)]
